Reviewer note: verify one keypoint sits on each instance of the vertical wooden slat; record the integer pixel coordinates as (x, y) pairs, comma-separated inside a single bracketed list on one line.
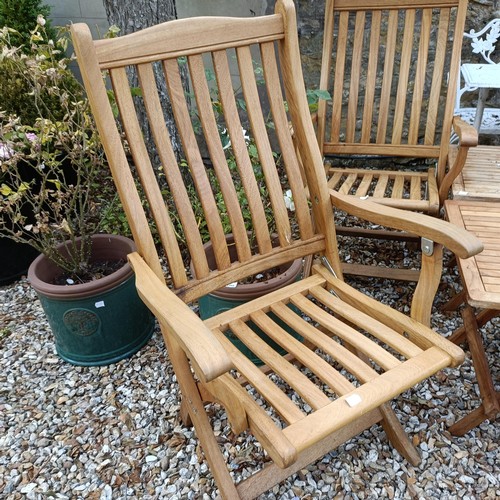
[(346, 186), (212, 139), (265, 152), (404, 73), (281, 126), (364, 185), (239, 147), (326, 64), (338, 79), (353, 101), (193, 156), (397, 188), (454, 70), (371, 77), (385, 96), (437, 76), (418, 90), (172, 173), (334, 179), (381, 186), (142, 162), (415, 188)]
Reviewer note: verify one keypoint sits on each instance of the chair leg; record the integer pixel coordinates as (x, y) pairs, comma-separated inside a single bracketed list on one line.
[(397, 436), (459, 335), (184, 413), (271, 474), (200, 420), (392, 426), (490, 404)]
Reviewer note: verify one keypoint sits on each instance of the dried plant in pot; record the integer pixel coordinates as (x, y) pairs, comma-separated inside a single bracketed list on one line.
[(53, 197)]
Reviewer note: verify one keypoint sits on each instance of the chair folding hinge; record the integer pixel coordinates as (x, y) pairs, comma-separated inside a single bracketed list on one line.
[(427, 246), (327, 264)]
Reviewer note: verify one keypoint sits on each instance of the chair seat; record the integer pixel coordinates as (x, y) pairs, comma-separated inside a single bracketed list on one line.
[(480, 177), (353, 358), (407, 190)]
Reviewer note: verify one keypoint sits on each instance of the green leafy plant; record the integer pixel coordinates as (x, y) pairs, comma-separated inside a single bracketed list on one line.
[(21, 16), (53, 184)]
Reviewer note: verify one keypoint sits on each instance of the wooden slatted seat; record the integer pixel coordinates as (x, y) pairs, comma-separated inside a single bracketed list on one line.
[(355, 354), (386, 65)]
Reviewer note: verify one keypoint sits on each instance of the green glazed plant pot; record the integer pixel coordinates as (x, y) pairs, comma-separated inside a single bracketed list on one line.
[(99, 322), (234, 295)]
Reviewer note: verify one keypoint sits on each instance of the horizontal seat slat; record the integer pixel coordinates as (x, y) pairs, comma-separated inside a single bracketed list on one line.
[(303, 354), (329, 346), (362, 320), (323, 422), (346, 333), (287, 371), (273, 395)]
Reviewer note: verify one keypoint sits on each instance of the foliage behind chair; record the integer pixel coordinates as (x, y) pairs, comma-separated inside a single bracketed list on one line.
[(356, 354)]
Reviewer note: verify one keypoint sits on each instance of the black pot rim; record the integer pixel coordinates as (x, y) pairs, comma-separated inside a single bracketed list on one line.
[(42, 271)]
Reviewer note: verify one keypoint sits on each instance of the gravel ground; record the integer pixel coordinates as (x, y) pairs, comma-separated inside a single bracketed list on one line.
[(113, 432)]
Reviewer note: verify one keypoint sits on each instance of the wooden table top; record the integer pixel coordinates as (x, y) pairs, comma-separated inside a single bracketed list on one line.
[(481, 273), (480, 177)]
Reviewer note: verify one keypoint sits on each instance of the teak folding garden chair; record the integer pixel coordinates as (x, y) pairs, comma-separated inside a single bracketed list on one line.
[(354, 354), (391, 69)]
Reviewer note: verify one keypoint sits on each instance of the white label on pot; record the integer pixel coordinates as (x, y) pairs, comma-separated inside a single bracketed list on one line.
[(99, 304), (232, 285)]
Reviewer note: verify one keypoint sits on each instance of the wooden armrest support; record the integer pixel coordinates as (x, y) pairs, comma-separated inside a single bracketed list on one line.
[(461, 242), (208, 357), (467, 134), (467, 138)]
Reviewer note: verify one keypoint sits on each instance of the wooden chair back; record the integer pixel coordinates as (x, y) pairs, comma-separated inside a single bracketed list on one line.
[(391, 68), (236, 104), (237, 159)]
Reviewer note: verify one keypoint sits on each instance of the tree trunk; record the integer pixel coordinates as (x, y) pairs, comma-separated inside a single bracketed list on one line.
[(131, 16)]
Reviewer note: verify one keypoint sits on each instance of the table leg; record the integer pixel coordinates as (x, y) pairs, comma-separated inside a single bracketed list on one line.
[(459, 335), (481, 103), (490, 405)]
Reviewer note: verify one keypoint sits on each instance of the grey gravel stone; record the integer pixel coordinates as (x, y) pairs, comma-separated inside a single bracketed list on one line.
[(114, 432)]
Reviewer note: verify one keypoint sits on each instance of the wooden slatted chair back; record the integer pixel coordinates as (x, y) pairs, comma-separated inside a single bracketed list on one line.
[(236, 145), (387, 66)]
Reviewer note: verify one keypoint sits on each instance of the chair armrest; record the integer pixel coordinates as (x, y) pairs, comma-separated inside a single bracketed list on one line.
[(208, 357), (461, 242), (467, 134)]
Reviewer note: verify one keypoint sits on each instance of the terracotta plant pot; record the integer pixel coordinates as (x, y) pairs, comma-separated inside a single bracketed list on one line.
[(234, 295), (99, 322)]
